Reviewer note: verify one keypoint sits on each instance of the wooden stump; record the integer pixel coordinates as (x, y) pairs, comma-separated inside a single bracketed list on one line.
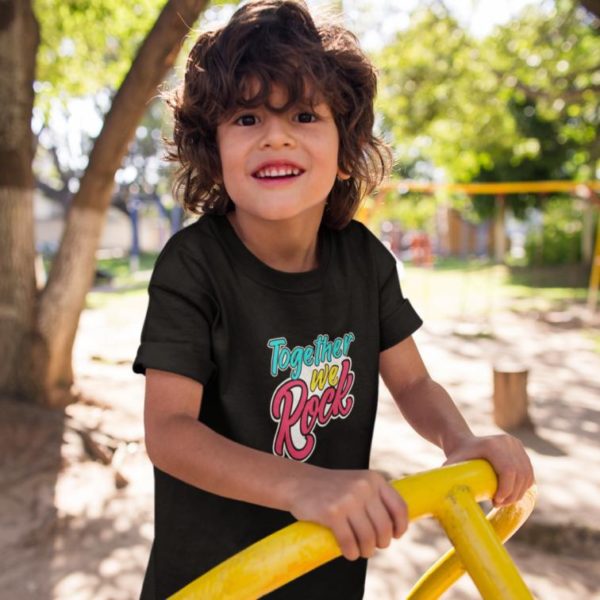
[(510, 396)]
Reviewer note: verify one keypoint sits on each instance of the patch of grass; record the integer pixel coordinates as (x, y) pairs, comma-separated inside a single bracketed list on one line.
[(125, 286), (558, 277), (552, 294), (451, 263), (119, 267), (118, 309), (101, 300), (475, 288)]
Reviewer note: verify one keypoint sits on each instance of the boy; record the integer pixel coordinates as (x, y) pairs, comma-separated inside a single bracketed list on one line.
[(271, 317)]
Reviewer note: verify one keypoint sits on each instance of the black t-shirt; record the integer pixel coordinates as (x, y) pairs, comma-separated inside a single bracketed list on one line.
[(289, 364)]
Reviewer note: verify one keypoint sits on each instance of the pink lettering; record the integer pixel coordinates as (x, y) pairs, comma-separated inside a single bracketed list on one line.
[(296, 421), (343, 402), (283, 412), (325, 406)]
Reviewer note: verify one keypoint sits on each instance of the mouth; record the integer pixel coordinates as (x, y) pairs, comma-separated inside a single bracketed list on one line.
[(277, 172)]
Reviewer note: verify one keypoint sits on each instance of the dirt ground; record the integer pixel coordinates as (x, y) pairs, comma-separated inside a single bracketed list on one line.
[(76, 512)]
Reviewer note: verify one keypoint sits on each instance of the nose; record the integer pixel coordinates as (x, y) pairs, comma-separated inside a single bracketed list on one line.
[(277, 132)]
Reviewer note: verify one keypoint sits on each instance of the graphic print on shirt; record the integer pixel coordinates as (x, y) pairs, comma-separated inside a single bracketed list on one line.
[(317, 391)]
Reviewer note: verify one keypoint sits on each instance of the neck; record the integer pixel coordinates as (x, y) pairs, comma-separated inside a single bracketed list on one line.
[(289, 246)]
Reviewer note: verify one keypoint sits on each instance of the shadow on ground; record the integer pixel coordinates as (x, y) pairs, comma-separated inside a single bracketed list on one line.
[(65, 530)]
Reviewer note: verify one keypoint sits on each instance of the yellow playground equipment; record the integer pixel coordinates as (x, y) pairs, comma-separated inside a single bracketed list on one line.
[(450, 494)]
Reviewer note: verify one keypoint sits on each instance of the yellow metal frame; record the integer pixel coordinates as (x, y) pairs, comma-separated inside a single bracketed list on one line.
[(501, 187), (450, 494), (594, 274)]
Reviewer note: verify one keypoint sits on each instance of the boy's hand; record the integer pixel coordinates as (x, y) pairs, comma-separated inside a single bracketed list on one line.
[(507, 456), (361, 508)]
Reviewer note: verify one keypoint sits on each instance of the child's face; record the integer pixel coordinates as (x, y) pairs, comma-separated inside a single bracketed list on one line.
[(279, 166)]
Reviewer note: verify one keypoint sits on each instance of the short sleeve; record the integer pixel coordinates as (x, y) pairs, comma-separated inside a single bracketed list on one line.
[(397, 317), (176, 335)]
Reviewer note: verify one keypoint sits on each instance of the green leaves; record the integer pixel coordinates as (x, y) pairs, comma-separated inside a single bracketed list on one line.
[(88, 45), (521, 104)]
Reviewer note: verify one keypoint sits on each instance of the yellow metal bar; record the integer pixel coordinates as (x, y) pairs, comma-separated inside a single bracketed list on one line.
[(266, 565), (449, 568), (301, 547), (424, 491), (595, 273), (480, 549), (512, 187)]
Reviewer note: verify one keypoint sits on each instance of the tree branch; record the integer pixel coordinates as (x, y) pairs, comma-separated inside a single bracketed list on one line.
[(592, 6), (64, 176), (63, 298), (52, 193)]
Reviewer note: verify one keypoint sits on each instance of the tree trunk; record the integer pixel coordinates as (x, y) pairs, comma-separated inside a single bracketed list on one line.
[(71, 275), (510, 396), (21, 348)]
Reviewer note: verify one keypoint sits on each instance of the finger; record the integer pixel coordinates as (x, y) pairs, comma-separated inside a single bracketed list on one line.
[(506, 483), (517, 491), (524, 477), (346, 540), (531, 481), (364, 533), (530, 472), (382, 522), (397, 509)]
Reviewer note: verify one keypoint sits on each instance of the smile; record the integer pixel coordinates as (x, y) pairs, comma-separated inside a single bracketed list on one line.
[(277, 172)]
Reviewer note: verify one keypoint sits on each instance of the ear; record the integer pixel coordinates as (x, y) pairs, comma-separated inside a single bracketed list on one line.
[(343, 175)]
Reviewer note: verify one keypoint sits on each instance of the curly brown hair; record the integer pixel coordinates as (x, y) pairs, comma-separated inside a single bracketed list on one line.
[(275, 42)]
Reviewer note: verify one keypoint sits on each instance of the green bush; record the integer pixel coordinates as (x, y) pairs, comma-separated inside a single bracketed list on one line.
[(559, 240)]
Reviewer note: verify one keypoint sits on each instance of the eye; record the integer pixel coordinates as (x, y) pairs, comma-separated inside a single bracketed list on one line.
[(246, 120), (307, 117)]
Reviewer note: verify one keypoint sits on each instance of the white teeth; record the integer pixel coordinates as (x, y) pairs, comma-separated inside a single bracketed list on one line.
[(277, 172)]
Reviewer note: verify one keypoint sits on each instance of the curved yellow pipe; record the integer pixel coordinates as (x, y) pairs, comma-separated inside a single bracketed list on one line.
[(449, 568), (485, 558), (297, 549)]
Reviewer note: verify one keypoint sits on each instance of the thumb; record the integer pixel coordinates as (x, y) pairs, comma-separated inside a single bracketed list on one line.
[(450, 460), (458, 456)]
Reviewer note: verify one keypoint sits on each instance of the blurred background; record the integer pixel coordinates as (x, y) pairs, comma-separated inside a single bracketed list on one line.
[(492, 110)]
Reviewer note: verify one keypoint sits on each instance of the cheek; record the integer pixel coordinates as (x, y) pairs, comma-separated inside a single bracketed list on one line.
[(224, 147), (230, 166), (334, 142), (333, 149)]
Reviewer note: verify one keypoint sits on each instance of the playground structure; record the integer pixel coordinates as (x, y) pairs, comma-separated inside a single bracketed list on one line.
[(589, 191), (449, 494)]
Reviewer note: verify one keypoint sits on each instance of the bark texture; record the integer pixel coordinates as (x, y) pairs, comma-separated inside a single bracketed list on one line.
[(62, 300), (21, 348), (19, 40)]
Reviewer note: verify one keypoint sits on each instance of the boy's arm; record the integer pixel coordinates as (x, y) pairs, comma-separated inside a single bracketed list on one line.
[(360, 507), (431, 412), (178, 444)]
